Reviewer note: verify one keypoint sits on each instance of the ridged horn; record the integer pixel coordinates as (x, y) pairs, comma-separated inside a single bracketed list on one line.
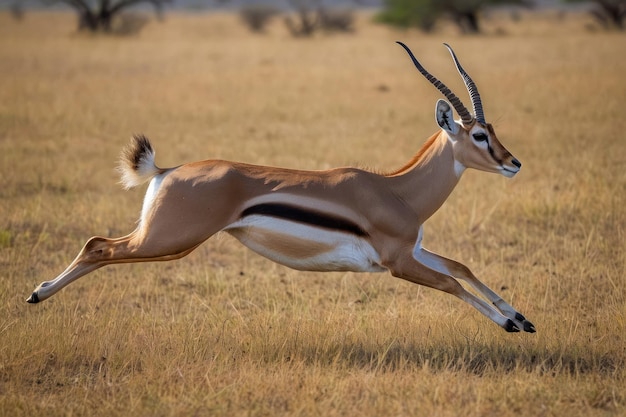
[(465, 115), (471, 88)]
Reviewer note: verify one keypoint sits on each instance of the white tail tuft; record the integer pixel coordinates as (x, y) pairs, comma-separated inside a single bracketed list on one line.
[(136, 164)]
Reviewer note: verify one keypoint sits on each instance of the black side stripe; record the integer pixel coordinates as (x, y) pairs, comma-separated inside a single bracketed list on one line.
[(302, 215)]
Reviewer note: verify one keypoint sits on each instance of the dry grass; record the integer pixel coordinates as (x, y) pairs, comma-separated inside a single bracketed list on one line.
[(224, 332)]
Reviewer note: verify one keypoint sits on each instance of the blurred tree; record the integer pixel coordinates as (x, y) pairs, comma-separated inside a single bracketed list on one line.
[(610, 13), (313, 15), (424, 13), (98, 15), (306, 20), (258, 16), (17, 10), (336, 20)]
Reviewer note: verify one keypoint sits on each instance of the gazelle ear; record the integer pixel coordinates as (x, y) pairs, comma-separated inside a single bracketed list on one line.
[(445, 117)]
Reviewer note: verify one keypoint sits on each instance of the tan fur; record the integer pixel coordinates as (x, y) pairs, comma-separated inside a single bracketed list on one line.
[(336, 219)]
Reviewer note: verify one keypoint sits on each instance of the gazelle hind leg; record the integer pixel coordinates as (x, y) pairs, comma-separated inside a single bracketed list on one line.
[(100, 251), (460, 271), (165, 232)]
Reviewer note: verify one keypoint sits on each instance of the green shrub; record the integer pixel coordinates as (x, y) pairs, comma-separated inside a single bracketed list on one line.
[(420, 14)]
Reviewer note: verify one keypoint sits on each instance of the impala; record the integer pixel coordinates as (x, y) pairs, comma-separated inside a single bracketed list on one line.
[(342, 219)]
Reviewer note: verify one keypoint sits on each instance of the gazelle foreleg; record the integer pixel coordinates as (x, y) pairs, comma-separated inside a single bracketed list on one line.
[(458, 270), (407, 267), (100, 251)]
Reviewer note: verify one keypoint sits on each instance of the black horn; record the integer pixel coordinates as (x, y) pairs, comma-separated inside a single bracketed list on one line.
[(465, 115), (471, 88)]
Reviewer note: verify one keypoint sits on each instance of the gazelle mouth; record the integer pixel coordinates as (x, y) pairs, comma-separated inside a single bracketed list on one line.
[(508, 172)]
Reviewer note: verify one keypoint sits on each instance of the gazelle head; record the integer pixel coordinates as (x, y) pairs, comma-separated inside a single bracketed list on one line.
[(475, 142)]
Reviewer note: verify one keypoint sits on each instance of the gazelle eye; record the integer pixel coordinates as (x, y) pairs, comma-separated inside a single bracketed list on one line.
[(480, 137)]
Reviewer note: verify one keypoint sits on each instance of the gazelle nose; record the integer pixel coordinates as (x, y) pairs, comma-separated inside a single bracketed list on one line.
[(516, 163)]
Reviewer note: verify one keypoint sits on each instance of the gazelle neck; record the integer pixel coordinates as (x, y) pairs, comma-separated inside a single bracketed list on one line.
[(427, 180)]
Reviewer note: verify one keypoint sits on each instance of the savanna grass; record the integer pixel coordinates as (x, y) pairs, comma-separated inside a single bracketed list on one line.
[(224, 332)]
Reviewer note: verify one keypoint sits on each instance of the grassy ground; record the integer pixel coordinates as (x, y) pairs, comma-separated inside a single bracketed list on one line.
[(224, 332)]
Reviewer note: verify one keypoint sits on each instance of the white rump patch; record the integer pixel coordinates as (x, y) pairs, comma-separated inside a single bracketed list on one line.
[(151, 193)]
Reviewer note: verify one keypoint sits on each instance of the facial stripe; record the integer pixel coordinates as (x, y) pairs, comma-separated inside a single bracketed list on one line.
[(492, 153), (302, 215)]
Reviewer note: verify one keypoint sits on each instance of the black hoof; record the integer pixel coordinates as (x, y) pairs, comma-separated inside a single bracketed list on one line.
[(529, 327), (510, 326), (33, 299)]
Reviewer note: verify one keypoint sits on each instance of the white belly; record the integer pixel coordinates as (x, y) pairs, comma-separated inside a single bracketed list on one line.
[(304, 247)]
